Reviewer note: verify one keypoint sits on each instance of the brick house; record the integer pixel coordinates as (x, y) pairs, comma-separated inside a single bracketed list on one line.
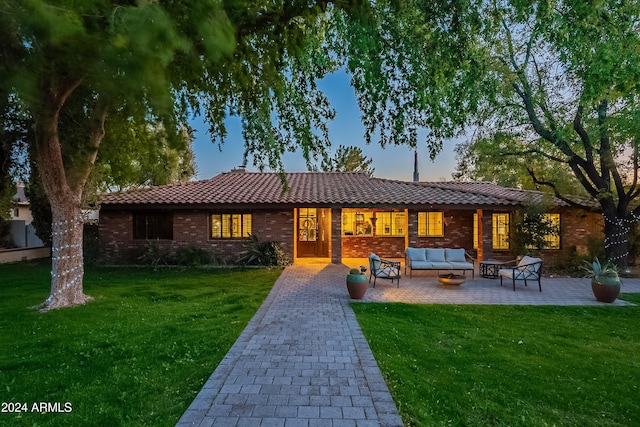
[(330, 215)]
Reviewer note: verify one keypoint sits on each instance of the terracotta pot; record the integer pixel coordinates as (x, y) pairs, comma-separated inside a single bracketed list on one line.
[(357, 285), (605, 292)]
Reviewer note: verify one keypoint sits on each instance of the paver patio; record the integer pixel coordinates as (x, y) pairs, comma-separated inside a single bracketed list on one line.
[(303, 360)]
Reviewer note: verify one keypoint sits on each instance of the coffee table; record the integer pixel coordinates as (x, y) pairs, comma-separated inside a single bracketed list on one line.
[(452, 279), (490, 268)]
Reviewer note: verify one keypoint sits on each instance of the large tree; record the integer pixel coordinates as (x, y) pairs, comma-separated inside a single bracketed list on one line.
[(153, 62), (74, 66), (566, 75)]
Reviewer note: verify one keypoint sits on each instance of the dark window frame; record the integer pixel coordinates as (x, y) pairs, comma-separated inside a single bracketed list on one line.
[(152, 225)]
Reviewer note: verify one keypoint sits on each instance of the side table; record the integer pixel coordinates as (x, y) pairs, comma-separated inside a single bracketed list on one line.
[(490, 268)]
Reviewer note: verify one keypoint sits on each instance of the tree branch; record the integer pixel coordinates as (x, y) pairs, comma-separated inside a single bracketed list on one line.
[(534, 151), (556, 193), (582, 133), (608, 166)]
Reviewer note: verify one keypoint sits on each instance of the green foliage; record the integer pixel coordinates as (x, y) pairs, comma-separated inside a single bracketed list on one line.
[(487, 365), (354, 271), (531, 228), (597, 271), (154, 254), (140, 154), (152, 341), (5, 229), (565, 96), (414, 65), (504, 159), (349, 159), (192, 256), (268, 253)]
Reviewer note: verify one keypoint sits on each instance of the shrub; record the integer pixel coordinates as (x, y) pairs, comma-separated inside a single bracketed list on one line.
[(192, 256), (269, 253), (154, 255)]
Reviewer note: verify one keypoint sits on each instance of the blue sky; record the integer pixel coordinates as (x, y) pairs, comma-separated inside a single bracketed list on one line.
[(393, 162)]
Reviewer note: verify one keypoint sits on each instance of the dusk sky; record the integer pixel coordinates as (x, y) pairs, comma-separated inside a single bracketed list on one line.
[(393, 162)]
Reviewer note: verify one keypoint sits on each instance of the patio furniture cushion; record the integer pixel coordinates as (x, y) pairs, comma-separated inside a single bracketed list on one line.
[(416, 254), (421, 265), (527, 269), (461, 265), (374, 262), (383, 268), (442, 265), (525, 261), (435, 254), (455, 255)]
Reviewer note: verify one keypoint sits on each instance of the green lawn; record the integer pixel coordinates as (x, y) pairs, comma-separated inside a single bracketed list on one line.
[(135, 356), (454, 365)]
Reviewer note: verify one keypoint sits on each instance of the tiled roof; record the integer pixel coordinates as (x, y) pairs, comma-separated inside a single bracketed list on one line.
[(515, 194), (316, 188)]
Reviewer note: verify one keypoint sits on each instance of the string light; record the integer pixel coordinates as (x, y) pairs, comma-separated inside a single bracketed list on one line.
[(68, 252), (621, 238)]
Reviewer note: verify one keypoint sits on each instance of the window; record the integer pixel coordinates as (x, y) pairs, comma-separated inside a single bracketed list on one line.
[(475, 231), (356, 223), (390, 223), (153, 225), (430, 224), (553, 239), (230, 226), (500, 230), (307, 224)]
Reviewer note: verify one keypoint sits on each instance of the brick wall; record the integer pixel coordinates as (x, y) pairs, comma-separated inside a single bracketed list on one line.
[(577, 228), (191, 228), (458, 231), (361, 247)]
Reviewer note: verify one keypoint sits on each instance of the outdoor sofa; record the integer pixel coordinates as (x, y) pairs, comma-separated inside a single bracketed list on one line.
[(438, 259)]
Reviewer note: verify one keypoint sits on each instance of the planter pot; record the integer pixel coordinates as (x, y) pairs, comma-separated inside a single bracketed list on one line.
[(607, 291), (357, 285)]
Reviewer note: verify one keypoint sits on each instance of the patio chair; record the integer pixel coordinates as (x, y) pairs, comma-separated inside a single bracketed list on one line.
[(383, 269), (527, 268)]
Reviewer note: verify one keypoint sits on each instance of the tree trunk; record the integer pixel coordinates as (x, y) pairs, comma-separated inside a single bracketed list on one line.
[(65, 197), (616, 240), (67, 263)]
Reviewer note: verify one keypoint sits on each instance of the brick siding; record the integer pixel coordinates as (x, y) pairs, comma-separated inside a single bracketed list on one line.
[(191, 228)]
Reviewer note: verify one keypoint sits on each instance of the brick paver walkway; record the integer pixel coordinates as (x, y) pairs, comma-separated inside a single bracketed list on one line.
[(303, 360)]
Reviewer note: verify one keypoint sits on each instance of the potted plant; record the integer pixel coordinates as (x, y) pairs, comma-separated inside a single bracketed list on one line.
[(605, 280), (357, 283)]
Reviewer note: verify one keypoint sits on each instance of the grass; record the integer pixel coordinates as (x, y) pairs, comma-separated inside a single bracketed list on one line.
[(454, 365), (135, 356)]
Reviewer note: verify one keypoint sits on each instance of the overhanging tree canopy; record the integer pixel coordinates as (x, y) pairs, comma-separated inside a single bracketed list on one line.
[(152, 62), (566, 75), (155, 62)]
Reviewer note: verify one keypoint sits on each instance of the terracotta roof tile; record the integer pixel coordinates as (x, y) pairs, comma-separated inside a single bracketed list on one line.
[(317, 188)]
